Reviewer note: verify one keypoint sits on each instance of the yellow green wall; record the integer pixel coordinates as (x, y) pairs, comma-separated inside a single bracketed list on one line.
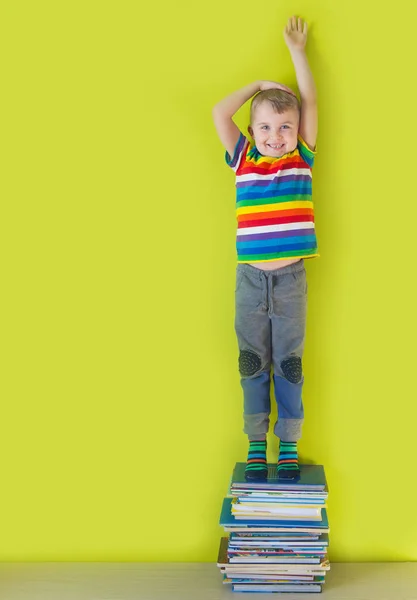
[(120, 397)]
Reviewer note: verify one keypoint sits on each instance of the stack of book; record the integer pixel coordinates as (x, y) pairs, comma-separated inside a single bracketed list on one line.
[(278, 532)]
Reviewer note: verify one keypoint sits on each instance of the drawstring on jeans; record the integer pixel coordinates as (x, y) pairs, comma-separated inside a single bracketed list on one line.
[(270, 292), (267, 290)]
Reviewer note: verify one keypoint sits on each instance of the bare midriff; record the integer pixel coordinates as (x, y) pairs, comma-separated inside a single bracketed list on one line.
[(274, 264)]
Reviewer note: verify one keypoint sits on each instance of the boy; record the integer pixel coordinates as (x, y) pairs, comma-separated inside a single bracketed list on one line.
[(275, 233)]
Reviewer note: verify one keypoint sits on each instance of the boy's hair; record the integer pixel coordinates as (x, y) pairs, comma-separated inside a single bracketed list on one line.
[(279, 100)]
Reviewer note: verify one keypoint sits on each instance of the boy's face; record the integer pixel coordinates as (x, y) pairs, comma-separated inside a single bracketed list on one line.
[(274, 134)]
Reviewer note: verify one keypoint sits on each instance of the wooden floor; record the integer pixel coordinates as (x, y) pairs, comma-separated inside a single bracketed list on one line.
[(190, 581)]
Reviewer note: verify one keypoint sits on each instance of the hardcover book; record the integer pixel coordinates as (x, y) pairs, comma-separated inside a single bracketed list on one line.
[(311, 477)]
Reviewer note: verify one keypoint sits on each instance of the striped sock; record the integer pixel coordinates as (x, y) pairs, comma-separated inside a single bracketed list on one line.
[(256, 467), (288, 460)]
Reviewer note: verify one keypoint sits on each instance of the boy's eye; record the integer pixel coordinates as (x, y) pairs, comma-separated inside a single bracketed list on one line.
[(267, 127)]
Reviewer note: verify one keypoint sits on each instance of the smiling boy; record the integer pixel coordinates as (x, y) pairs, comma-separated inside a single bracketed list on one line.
[(275, 233)]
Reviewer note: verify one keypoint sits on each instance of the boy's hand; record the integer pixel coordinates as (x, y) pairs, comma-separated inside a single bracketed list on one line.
[(268, 85), (295, 33)]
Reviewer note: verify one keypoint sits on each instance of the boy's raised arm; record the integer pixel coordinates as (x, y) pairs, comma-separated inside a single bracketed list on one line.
[(295, 35), (224, 110)]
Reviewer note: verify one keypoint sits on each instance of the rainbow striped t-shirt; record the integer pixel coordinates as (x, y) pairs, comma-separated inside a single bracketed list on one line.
[(275, 217)]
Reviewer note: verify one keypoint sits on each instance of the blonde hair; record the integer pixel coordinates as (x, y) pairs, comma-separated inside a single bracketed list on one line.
[(279, 100)]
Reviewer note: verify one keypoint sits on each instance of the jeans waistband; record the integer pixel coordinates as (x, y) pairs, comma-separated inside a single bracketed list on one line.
[(293, 268)]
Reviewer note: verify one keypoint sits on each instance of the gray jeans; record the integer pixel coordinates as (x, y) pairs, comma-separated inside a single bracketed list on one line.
[(270, 326)]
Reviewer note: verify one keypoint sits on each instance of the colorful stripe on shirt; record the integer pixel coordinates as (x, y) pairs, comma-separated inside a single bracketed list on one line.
[(274, 210)]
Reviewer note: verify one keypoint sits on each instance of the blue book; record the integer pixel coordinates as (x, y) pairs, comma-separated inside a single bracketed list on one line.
[(311, 478), (229, 521)]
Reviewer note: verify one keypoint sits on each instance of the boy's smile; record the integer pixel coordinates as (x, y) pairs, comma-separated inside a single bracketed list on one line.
[(274, 134)]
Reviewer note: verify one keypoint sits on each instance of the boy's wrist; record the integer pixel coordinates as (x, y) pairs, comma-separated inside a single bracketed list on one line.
[(256, 86), (234, 101), (252, 88), (297, 51)]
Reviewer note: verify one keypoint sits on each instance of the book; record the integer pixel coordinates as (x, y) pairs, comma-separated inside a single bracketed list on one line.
[(282, 587), (230, 523), (254, 578), (237, 540), (275, 560), (275, 571), (311, 477), (289, 536), (282, 499), (279, 510), (276, 551), (271, 517)]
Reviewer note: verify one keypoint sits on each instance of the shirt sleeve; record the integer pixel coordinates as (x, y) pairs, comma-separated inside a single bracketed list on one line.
[(239, 151), (306, 153)]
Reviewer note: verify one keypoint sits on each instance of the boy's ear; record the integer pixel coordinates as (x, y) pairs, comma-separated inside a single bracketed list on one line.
[(250, 130)]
